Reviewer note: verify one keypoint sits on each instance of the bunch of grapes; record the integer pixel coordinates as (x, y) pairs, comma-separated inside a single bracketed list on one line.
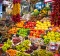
[(22, 54), (6, 45), (41, 53), (23, 32), (24, 45)]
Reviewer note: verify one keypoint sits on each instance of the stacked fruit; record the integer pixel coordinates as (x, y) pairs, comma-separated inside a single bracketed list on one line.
[(25, 45), (23, 32), (30, 24), (36, 33), (56, 29), (42, 25), (44, 11), (56, 12), (22, 54), (41, 53), (20, 24), (11, 52), (13, 30), (36, 12), (16, 11), (6, 45), (52, 36)]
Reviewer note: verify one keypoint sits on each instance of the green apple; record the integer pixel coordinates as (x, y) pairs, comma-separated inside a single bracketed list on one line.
[(36, 12)]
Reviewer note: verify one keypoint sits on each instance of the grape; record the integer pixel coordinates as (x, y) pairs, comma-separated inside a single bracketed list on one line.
[(23, 46), (22, 54), (23, 32), (46, 40), (41, 53), (6, 45), (4, 48)]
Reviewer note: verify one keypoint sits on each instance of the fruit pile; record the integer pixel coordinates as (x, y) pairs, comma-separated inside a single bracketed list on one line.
[(13, 30), (20, 24), (30, 25), (52, 36), (16, 11), (25, 45), (56, 29), (6, 45), (11, 52), (22, 54), (23, 32), (56, 12), (36, 12), (41, 53), (42, 25), (36, 33)]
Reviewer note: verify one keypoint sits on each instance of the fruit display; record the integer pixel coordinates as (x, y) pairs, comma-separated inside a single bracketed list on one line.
[(44, 11), (20, 24), (46, 40), (13, 30), (23, 32), (25, 45), (16, 11), (41, 53), (11, 52), (36, 12), (56, 29), (52, 36), (22, 54), (30, 24), (42, 25), (36, 33), (6, 45), (55, 13)]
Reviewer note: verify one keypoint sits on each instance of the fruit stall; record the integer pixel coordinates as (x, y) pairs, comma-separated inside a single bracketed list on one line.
[(31, 28)]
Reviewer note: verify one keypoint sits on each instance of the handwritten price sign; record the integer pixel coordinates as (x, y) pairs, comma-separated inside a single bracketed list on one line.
[(48, 0)]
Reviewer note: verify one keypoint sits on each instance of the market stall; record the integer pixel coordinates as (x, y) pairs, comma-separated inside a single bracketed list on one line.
[(33, 29)]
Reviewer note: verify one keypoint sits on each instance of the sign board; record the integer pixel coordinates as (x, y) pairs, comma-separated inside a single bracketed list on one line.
[(47, 0)]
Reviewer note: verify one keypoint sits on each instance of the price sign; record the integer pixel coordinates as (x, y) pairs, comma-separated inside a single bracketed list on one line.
[(47, 0)]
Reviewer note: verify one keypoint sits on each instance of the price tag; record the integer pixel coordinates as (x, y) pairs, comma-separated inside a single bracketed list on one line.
[(48, 0), (5, 2)]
